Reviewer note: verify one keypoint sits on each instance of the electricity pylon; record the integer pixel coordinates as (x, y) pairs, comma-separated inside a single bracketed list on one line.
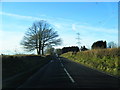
[(78, 39)]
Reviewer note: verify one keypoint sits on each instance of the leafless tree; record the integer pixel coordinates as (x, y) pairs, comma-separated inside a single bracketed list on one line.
[(112, 44), (40, 35)]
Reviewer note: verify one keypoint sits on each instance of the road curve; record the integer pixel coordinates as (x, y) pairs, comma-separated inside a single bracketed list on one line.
[(63, 73)]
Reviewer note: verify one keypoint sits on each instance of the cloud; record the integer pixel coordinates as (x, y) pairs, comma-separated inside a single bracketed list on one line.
[(61, 22), (94, 29), (20, 16), (74, 27), (57, 25)]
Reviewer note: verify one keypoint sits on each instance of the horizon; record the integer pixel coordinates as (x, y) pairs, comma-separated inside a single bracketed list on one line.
[(94, 21)]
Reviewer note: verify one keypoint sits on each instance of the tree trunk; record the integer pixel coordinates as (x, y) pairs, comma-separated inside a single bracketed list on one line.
[(39, 48), (42, 50), (39, 52)]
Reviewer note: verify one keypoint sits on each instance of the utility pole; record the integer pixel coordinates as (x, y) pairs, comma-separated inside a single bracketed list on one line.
[(78, 39)]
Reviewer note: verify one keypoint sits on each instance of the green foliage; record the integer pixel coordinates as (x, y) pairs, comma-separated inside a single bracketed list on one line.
[(102, 59)]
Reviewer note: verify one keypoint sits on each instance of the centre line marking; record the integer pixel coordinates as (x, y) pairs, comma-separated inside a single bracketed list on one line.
[(62, 65), (69, 76)]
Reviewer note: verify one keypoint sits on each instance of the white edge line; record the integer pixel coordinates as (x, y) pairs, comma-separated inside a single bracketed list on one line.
[(69, 76)]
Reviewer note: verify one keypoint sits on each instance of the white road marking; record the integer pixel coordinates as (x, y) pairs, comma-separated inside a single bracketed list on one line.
[(72, 80), (51, 60), (60, 60), (62, 65), (69, 76)]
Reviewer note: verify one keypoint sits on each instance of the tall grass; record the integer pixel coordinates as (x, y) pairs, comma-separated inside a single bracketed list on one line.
[(106, 60)]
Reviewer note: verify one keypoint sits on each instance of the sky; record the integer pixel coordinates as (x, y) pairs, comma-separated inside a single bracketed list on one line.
[(93, 20)]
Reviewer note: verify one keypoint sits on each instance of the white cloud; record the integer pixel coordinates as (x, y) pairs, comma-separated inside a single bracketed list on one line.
[(94, 29), (65, 23), (74, 27), (57, 25), (20, 16)]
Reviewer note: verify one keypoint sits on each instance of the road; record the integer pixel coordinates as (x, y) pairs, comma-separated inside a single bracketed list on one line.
[(63, 73)]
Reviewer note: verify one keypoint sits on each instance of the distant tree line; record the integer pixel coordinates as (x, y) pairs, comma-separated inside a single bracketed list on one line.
[(99, 45), (68, 49), (96, 45)]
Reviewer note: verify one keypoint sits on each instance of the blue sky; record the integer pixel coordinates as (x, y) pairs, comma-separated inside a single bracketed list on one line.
[(93, 20)]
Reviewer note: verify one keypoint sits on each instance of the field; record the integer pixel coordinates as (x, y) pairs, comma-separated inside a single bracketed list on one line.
[(17, 68), (105, 60)]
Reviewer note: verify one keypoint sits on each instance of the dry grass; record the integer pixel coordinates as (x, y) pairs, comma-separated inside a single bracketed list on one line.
[(106, 60)]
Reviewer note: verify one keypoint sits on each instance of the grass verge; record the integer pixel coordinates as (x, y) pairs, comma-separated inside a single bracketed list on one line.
[(106, 60)]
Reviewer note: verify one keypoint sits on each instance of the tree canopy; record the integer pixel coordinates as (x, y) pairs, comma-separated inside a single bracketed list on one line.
[(40, 35)]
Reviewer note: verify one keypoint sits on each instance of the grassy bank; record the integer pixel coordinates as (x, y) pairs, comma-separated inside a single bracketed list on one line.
[(106, 60), (18, 68)]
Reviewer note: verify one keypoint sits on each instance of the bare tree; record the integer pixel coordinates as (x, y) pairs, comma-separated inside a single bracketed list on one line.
[(40, 35), (112, 44), (58, 51), (50, 50)]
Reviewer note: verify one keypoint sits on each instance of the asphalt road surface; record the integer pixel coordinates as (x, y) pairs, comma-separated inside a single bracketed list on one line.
[(63, 73)]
